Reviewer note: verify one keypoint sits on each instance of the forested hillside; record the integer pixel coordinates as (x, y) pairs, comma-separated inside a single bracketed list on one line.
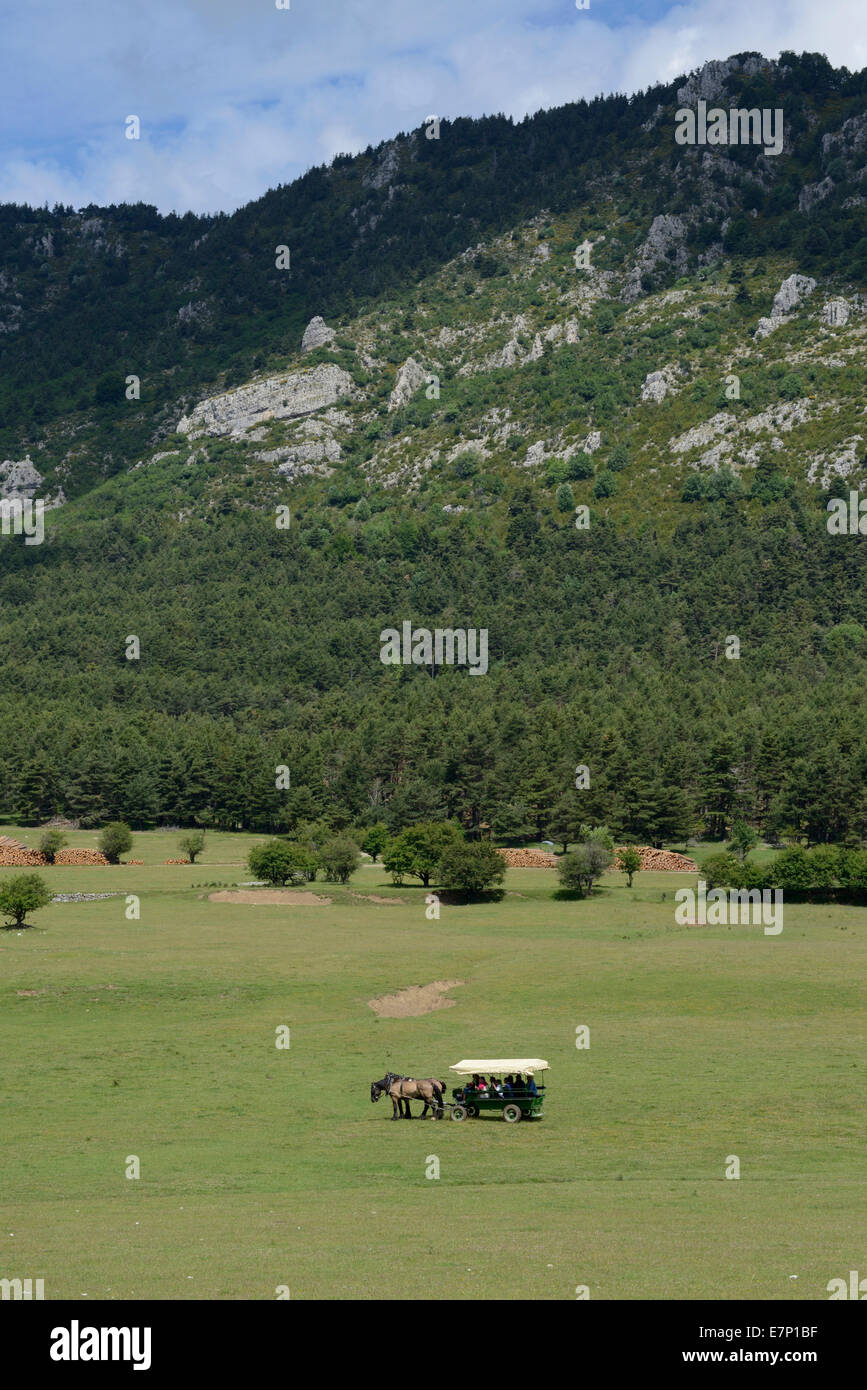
[(613, 467)]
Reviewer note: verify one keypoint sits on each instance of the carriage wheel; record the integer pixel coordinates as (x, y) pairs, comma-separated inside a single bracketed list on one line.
[(511, 1114), (459, 1112), (472, 1111)]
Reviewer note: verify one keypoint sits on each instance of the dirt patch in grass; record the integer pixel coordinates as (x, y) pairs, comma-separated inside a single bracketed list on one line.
[(417, 999), (372, 898), (270, 897)]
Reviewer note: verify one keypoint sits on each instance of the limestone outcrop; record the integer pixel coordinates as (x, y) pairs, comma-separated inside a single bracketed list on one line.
[(275, 398)]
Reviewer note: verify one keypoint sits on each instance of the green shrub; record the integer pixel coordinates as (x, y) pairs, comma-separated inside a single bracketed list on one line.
[(792, 387), (375, 840), (115, 840), (722, 484), (694, 489), (471, 868), (630, 863), (417, 851), (192, 844), (21, 894), (579, 870), (466, 465), (339, 859), (277, 862), (722, 871), (579, 466), (50, 842), (606, 484)]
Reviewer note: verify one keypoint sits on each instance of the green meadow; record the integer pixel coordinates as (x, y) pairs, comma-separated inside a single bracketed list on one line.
[(264, 1168)]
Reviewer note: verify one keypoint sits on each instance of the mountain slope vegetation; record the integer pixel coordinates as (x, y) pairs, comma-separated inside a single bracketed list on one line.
[(615, 462)]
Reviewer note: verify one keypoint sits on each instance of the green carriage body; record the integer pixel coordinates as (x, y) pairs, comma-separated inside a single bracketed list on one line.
[(511, 1107)]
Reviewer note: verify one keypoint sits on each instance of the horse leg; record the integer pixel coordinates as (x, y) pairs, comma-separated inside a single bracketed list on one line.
[(408, 1112), (395, 1112)]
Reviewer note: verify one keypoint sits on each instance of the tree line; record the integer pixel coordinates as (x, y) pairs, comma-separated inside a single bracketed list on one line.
[(606, 652)]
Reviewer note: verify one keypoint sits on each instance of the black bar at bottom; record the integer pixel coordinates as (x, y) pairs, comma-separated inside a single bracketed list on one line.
[(81, 1340)]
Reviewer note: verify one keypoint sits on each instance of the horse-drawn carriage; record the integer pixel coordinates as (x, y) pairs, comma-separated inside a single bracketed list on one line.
[(518, 1097), (519, 1102)]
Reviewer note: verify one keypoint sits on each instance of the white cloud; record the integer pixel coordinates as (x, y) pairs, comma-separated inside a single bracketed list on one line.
[(235, 97)]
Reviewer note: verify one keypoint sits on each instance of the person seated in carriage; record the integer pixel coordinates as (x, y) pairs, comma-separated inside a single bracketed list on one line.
[(496, 1088)]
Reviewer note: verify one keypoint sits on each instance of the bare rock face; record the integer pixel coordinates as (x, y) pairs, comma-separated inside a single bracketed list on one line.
[(19, 479), (537, 350), (314, 457), (658, 385), (386, 171), (510, 356), (316, 334), (707, 83), (314, 448), (791, 294), (10, 311), (667, 234), (813, 193), (409, 378), (850, 140), (276, 398), (836, 313)]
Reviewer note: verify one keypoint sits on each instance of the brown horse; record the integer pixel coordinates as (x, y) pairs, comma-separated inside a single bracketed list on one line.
[(402, 1089)]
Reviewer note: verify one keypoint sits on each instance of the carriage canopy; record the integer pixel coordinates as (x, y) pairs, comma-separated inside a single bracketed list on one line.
[(499, 1065)]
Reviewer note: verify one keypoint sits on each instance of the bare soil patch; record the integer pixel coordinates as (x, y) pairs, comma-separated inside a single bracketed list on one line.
[(269, 897), (416, 1000), (372, 898)]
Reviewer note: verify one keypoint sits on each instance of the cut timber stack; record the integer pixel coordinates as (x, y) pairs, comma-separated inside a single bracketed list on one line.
[(23, 858), (658, 860), (528, 858), (14, 855), (7, 843), (79, 856)]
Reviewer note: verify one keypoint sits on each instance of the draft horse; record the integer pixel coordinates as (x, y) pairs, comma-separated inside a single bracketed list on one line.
[(402, 1089)]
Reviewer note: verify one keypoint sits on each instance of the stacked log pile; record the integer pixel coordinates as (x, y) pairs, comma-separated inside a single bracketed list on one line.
[(176, 861), (658, 860), (79, 856), (16, 856), (528, 858), (20, 857)]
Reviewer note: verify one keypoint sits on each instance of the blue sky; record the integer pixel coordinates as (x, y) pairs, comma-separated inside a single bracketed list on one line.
[(235, 96)]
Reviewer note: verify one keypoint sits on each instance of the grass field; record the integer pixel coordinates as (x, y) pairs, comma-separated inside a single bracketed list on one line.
[(263, 1168)]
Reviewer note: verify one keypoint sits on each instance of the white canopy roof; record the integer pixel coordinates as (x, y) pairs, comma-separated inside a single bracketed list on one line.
[(499, 1064)]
